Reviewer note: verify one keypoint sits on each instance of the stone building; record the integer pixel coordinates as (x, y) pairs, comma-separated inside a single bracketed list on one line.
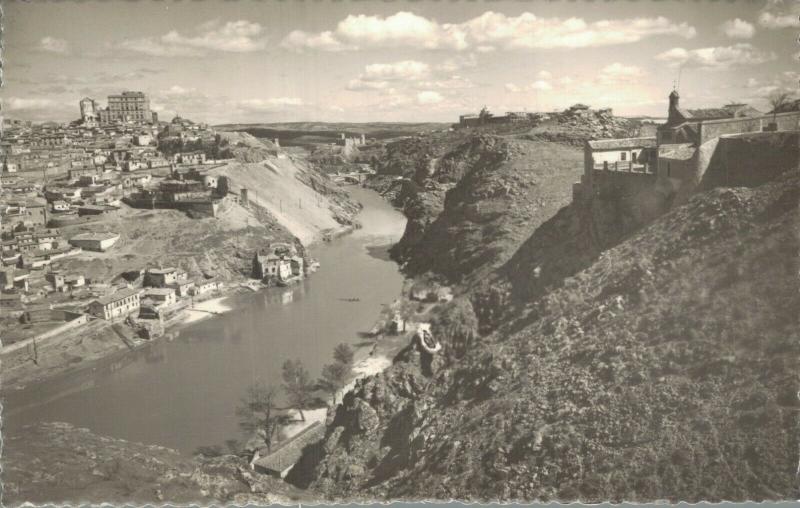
[(119, 304), (88, 109), (690, 147), (127, 107)]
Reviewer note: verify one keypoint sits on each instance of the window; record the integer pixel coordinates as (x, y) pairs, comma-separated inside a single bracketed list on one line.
[(633, 157), (623, 156)]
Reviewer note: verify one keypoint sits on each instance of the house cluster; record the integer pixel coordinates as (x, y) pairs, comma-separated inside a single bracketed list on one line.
[(191, 190), (122, 137), (689, 145), (163, 292), (279, 264)]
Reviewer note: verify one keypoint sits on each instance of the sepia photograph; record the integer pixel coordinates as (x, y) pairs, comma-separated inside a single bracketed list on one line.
[(288, 252)]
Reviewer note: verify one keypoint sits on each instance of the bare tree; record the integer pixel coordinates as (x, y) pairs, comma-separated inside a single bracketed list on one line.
[(298, 385), (333, 376), (258, 413)]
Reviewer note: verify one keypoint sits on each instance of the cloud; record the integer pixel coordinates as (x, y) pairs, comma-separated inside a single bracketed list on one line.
[(270, 105), (18, 104), (617, 73), (786, 81), (511, 87), (360, 85), (541, 85), (153, 47), (458, 63), (429, 97), (485, 33), (54, 45), (780, 14), (738, 29), (402, 71), (544, 75), (232, 37), (716, 58)]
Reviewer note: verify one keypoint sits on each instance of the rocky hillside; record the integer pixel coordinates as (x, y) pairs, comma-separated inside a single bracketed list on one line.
[(500, 190), (57, 462), (665, 368)]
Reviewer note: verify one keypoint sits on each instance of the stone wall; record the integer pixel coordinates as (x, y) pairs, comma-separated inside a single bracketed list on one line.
[(750, 160), (715, 128)]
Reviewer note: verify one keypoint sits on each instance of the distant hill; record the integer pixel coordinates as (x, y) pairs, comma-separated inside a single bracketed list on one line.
[(312, 133)]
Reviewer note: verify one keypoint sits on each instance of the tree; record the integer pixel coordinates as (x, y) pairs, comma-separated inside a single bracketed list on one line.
[(333, 376), (777, 100), (298, 386), (258, 413), (344, 355)]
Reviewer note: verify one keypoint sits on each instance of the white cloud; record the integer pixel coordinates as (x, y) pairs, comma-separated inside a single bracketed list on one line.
[(153, 47), (617, 73), (18, 104), (451, 83), (780, 14), (429, 97), (541, 85), (485, 33), (403, 71), (738, 29), (716, 58), (233, 37), (359, 85), (54, 45), (511, 87), (544, 75)]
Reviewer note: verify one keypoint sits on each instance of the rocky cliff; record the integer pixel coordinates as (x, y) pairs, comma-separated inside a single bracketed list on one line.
[(663, 365)]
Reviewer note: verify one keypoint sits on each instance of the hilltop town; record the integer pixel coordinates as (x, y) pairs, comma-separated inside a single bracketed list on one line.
[(119, 225), (552, 258)]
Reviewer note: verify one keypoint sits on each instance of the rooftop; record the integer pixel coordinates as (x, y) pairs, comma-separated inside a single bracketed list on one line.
[(159, 291), (119, 295), (160, 271), (95, 236), (615, 144)]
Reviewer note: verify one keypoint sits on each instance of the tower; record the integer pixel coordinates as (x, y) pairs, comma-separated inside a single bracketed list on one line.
[(674, 105)]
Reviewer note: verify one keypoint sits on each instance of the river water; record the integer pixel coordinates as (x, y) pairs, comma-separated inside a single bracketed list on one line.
[(183, 392)]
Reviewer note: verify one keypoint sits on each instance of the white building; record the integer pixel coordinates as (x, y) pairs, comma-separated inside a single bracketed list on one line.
[(121, 303)]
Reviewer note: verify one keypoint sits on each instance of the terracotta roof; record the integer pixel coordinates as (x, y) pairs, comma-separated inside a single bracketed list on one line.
[(615, 144)]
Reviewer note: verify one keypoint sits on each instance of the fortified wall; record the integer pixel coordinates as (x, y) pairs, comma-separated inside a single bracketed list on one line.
[(748, 160)]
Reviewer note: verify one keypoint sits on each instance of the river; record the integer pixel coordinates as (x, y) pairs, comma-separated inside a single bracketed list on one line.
[(183, 392)]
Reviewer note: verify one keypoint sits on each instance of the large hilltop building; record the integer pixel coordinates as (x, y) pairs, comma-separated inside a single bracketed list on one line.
[(693, 147), (128, 106)]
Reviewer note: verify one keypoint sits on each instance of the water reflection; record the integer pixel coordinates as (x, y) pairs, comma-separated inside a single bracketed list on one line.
[(181, 391)]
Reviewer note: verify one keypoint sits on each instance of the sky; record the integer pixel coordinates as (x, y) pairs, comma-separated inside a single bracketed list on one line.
[(397, 61)]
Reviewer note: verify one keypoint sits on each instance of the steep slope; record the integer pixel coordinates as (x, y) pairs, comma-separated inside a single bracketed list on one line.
[(501, 190), (667, 369), (57, 462)]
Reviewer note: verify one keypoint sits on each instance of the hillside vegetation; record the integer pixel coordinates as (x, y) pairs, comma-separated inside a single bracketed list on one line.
[(666, 369)]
